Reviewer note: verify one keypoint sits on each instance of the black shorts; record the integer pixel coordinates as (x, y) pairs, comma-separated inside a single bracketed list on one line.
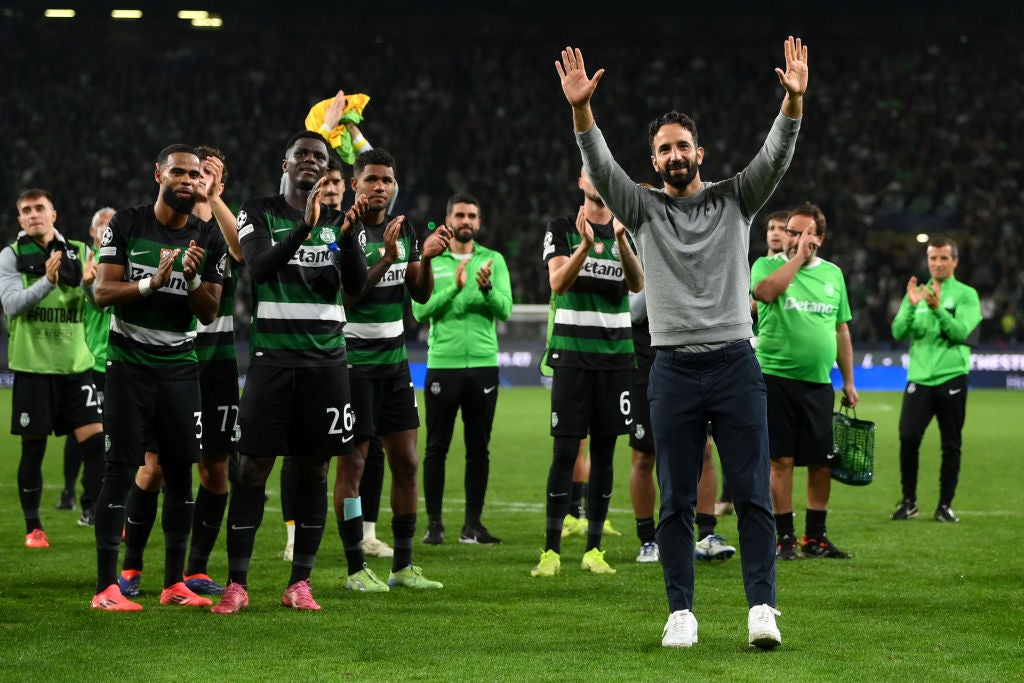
[(145, 413), (800, 420), (384, 406), (220, 414), (641, 437), (306, 412), (57, 404), (590, 401)]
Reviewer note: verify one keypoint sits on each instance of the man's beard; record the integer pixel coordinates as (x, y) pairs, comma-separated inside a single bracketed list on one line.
[(178, 204), (679, 181), (464, 235)]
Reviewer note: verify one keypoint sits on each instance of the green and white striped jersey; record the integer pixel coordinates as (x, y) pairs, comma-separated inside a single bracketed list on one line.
[(159, 331)]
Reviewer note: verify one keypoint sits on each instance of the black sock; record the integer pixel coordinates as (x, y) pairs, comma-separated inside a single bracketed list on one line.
[(645, 529), (705, 525), (784, 523), (72, 463), (207, 518), (92, 469), (245, 515), (576, 499), (176, 520), (310, 520), (351, 532), (815, 523), (141, 516), (404, 528), (30, 481), (118, 478)]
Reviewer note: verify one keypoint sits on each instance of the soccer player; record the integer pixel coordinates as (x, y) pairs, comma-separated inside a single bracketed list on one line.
[(591, 269), (803, 311), (161, 268), (218, 384), (43, 282), (384, 400), (941, 320), (296, 400), (472, 290), (97, 328), (693, 238)]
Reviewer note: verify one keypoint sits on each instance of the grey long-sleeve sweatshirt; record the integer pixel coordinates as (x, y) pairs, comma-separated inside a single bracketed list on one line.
[(694, 249)]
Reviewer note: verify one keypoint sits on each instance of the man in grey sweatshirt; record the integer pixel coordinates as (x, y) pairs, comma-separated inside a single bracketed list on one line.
[(692, 237)]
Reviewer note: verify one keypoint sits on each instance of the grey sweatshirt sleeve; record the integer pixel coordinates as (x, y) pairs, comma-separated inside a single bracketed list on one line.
[(617, 189), (14, 297), (755, 183)]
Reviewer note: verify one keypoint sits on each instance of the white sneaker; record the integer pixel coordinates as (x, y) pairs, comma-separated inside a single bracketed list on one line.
[(375, 547), (288, 553), (713, 547), (648, 553), (681, 629), (761, 625)]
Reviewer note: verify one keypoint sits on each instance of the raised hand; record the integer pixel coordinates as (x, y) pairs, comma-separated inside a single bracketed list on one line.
[(576, 85), (334, 110), (794, 78), (807, 245), (483, 274), (583, 228), (436, 242), (192, 260), (90, 269), (913, 291), (932, 293), (163, 271), (391, 238), (53, 266), (312, 214), (355, 213), (460, 275), (213, 172)]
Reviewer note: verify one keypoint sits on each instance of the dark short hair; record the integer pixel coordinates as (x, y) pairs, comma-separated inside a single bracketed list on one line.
[(203, 151), (814, 213), (781, 215), (34, 193), (670, 118), (312, 135), (167, 151), (334, 164), (940, 242), (462, 198), (373, 157)]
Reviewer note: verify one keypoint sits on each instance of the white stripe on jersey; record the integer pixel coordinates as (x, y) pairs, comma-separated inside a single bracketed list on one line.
[(375, 330), (149, 336), (565, 316), (273, 310), (223, 323)]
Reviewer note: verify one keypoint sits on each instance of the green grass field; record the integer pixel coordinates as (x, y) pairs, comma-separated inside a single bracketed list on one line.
[(920, 601)]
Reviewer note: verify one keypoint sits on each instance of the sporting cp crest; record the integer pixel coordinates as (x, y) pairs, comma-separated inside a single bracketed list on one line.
[(327, 236), (24, 420), (554, 419), (435, 388)]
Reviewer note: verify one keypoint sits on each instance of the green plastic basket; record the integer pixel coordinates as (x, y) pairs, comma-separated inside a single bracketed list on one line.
[(853, 442)]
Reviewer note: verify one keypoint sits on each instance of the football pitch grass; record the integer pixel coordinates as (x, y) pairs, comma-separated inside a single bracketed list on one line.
[(919, 601)]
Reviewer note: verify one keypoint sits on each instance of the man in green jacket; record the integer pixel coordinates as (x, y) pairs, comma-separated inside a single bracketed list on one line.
[(43, 278), (471, 291), (941, 319)]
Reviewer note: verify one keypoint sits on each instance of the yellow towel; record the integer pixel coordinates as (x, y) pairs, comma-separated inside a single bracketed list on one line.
[(339, 138)]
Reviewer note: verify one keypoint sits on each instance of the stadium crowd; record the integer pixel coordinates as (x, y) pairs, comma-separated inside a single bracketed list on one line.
[(904, 136)]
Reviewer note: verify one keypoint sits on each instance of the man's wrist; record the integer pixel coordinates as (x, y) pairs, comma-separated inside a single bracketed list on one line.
[(486, 288), (145, 286), (193, 284)]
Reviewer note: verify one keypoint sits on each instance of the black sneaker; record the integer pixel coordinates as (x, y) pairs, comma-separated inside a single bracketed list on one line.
[(477, 534), (786, 549), (67, 500), (435, 534), (906, 510), (87, 518), (822, 547), (944, 513)]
